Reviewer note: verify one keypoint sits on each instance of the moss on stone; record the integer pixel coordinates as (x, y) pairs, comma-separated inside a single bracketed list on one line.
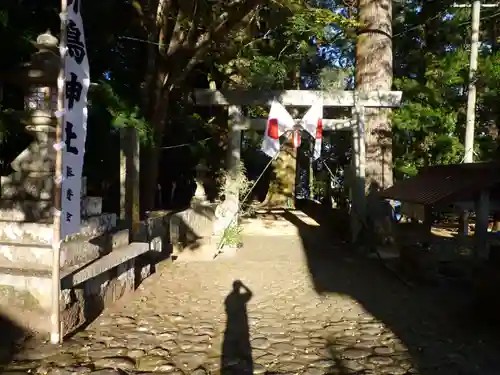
[(10, 296)]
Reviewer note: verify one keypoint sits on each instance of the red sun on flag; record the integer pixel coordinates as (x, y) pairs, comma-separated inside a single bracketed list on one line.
[(296, 139), (319, 129), (272, 128)]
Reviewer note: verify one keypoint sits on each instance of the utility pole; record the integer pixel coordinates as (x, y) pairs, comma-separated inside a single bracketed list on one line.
[(471, 96)]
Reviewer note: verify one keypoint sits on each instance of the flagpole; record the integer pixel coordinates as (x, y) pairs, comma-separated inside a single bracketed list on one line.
[(55, 319)]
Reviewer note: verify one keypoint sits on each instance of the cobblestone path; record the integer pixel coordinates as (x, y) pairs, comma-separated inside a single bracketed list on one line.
[(189, 319)]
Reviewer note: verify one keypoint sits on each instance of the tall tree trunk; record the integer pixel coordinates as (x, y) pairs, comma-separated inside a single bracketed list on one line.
[(374, 72), (177, 44), (281, 192), (150, 154)]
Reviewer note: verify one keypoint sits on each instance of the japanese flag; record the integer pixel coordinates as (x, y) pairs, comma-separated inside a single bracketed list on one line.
[(313, 124), (278, 122)]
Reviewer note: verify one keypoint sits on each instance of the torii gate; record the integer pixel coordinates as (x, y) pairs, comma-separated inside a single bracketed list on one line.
[(357, 101)]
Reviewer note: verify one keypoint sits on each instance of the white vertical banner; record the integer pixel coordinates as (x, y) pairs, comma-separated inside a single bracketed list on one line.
[(76, 85)]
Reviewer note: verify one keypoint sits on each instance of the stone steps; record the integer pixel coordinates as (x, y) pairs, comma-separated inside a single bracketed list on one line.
[(115, 258), (36, 280)]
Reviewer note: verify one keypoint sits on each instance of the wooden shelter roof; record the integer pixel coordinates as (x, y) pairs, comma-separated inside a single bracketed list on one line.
[(444, 184)]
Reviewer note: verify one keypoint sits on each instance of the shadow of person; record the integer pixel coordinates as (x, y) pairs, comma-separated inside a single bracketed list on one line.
[(236, 350)]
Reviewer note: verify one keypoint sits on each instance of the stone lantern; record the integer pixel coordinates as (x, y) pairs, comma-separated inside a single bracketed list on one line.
[(26, 194)]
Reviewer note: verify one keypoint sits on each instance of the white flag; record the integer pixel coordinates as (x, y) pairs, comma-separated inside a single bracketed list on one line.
[(75, 86), (278, 122), (312, 123)]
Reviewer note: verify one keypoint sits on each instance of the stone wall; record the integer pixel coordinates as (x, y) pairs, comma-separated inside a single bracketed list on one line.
[(172, 231), (84, 302)]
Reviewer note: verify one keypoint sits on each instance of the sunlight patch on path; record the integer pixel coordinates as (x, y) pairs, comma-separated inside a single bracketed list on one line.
[(272, 223)]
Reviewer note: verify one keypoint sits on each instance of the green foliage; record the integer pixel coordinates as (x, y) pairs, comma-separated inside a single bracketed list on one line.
[(314, 22), (429, 128), (274, 51), (320, 187), (265, 72), (270, 61), (4, 18), (124, 114), (232, 236), (331, 78)]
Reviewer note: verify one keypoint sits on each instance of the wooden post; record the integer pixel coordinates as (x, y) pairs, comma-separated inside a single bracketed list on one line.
[(56, 331), (428, 221), (123, 176), (463, 224), (482, 218), (129, 178)]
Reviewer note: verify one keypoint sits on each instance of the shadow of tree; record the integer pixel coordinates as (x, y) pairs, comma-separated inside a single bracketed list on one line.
[(433, 324)]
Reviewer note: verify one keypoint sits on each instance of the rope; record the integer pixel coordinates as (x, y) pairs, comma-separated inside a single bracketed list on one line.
[(185, 144)]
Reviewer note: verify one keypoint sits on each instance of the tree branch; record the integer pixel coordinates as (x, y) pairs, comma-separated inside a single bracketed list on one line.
[(166, 20), (239, 12), (191, 36)]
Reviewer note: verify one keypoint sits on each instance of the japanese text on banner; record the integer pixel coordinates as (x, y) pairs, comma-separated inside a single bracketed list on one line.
[(76, 85)]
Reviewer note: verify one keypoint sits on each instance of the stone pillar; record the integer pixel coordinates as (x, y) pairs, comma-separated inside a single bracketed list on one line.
[(234, 158), (226, 213), (26, 194), (129, 178), (357, 175), (481, 230), (463, 224), (305, 172)]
